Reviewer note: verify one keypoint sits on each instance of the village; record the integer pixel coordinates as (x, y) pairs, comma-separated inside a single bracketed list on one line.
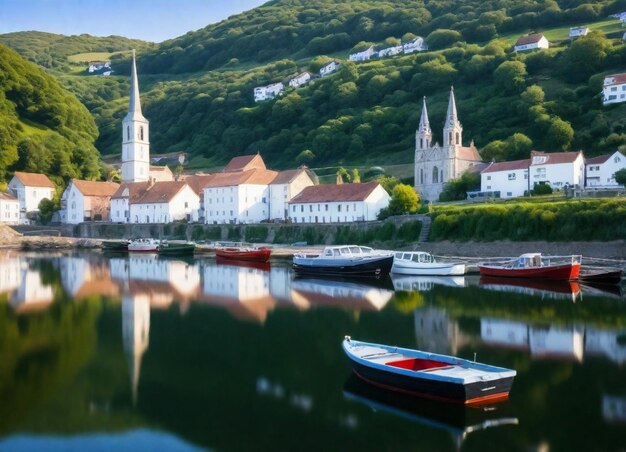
[(247, 192)]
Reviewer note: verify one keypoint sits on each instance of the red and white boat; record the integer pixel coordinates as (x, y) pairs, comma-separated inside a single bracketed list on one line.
[(534, 265), (243, 253)]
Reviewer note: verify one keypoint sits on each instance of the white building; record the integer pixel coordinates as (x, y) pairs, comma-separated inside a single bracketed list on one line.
[(268, 92), (299, 80), (577, 32), (390, 51), (163, 202), (97, 66), (284, 187), (614, 89), (600, 171), (329, 68), (557, 169), (121, 200), (416, 44), (510, 179), (9, 209), (362, 56), (338, 203), (85, 200), (530, 42), (30, 189)]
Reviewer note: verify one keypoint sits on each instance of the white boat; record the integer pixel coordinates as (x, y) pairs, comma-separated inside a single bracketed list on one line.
[(144, 246), (344, 261), (422, 263)]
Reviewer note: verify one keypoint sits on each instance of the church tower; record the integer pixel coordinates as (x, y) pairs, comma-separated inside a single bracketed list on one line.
[(423, 135), (135, 142), (452, 129)]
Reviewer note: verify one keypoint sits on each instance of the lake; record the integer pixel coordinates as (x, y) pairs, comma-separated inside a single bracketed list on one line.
[(140, 352)]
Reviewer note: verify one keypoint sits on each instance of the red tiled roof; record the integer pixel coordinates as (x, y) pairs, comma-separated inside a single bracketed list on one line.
[(469, 153), (245, 162), (530, 39), (161, 192), (598, 160), (335, 193), (93, 188), (33, 179), (135, 190), (555, 157), (197, 182), (618, 79), (284, 177), (507, 166), (253, 176), (7, 196)]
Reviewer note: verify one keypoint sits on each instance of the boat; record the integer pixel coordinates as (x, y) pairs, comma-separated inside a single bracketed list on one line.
[(244, 253), (144, 246), (422, 263), (428, 375), (600, 275), (534, 265), (344, 261), (115, 246), (176, 249)]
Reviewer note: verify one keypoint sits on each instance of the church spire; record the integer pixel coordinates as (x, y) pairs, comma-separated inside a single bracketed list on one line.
[(424, 123), (134, 106), (423, 135), (452, 129)]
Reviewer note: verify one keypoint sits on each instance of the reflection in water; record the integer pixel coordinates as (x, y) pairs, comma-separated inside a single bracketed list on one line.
[(23, 283), (535, 287), (614, 409), (436, 332), (425, 283), (135, 332)]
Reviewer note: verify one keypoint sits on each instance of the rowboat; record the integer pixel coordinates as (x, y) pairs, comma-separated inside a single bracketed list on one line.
[(422, 263), (534, 265), (144, 246), (115, 246), (428, 375), (600, 275), (344, 261), (244, 253), (176, 249)]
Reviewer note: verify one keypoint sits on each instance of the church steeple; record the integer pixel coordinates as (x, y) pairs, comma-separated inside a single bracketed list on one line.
[(452, 129), (135, 136), (423, 135)]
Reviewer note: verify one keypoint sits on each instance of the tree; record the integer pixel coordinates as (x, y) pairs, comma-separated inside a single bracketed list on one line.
[(343, 174), (560, 133), (47, 208), (456, 189), (441, 38), (518, 147), (356, 177), (388, 183), (305, 157), (511, 76), (620, 176), (586, 56), (404, 199)]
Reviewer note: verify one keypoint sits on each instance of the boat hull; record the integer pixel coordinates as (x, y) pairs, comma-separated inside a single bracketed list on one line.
[(177, 250), (369, 268), (468, 394), (143, 249), (563, 272), (260, 255), (601, 277), (435, 269)]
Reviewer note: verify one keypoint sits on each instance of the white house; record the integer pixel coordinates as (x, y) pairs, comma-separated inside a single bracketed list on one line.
[(530, 42), (9, 209), (577, 32), (126, 194), (300, 79), (338, 203), (284, 187), (558, 169), (164, 202), (416, 44), (600, 171), (267, 92), (30, 189), (85, 200), (390, 51), (99, 66), (362, 56), (329, 68), (508, 178), (614, 89)]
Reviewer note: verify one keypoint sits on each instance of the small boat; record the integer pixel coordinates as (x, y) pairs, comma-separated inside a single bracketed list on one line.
[(344, 261), (244, 253), (428, 375), (422, 263), (115, 246), (534, 265), (176, 249), (144, 246), (600, 275)]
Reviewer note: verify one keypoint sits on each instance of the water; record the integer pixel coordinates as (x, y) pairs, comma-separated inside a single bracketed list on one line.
[(144, 353)]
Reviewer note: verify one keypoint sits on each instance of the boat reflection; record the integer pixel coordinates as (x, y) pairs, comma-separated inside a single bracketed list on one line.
[(534, 287), (458, 420), (425, 283), (265, 266)]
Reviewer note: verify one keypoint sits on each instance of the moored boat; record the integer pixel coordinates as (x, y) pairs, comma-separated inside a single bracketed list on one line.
[(244, 253), (534, 265), (344, 261), (115, 246), (428, 375), (176, 249), (144, 246), (422, 263), (600, 275)]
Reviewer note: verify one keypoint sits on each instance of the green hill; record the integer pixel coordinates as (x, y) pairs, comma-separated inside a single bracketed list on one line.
[(43, 127)]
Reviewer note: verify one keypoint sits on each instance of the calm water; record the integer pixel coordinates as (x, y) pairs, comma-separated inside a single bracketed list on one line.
[(142, 353)]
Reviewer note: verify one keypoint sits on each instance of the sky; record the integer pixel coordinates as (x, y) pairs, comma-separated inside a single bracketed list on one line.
[(150, 20)]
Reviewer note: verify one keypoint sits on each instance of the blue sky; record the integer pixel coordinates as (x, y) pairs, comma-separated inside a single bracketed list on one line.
[(150, 20)]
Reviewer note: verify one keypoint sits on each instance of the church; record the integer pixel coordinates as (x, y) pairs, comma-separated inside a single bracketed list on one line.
[(436, 165)]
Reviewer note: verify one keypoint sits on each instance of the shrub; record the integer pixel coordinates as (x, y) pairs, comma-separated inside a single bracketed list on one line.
[(541, 189)]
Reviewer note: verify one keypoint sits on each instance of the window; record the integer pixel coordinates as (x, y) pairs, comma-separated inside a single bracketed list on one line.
[(326, 207), (488, 177), (347, 207), (488, 187), (614, 88), (186, 204), (422, 176), (141, 133), (293, 208), (128, 133), (310, 207), (458, 138), (302, 208), (512, 176), (435, 175), (508, 193), (616, 159), (339, 208)]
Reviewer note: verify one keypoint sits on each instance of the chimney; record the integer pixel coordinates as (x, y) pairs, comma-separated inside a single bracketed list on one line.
[(339, 179)]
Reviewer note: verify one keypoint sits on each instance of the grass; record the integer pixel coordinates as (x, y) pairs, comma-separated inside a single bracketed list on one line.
[(561, 34), (93, 56)]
